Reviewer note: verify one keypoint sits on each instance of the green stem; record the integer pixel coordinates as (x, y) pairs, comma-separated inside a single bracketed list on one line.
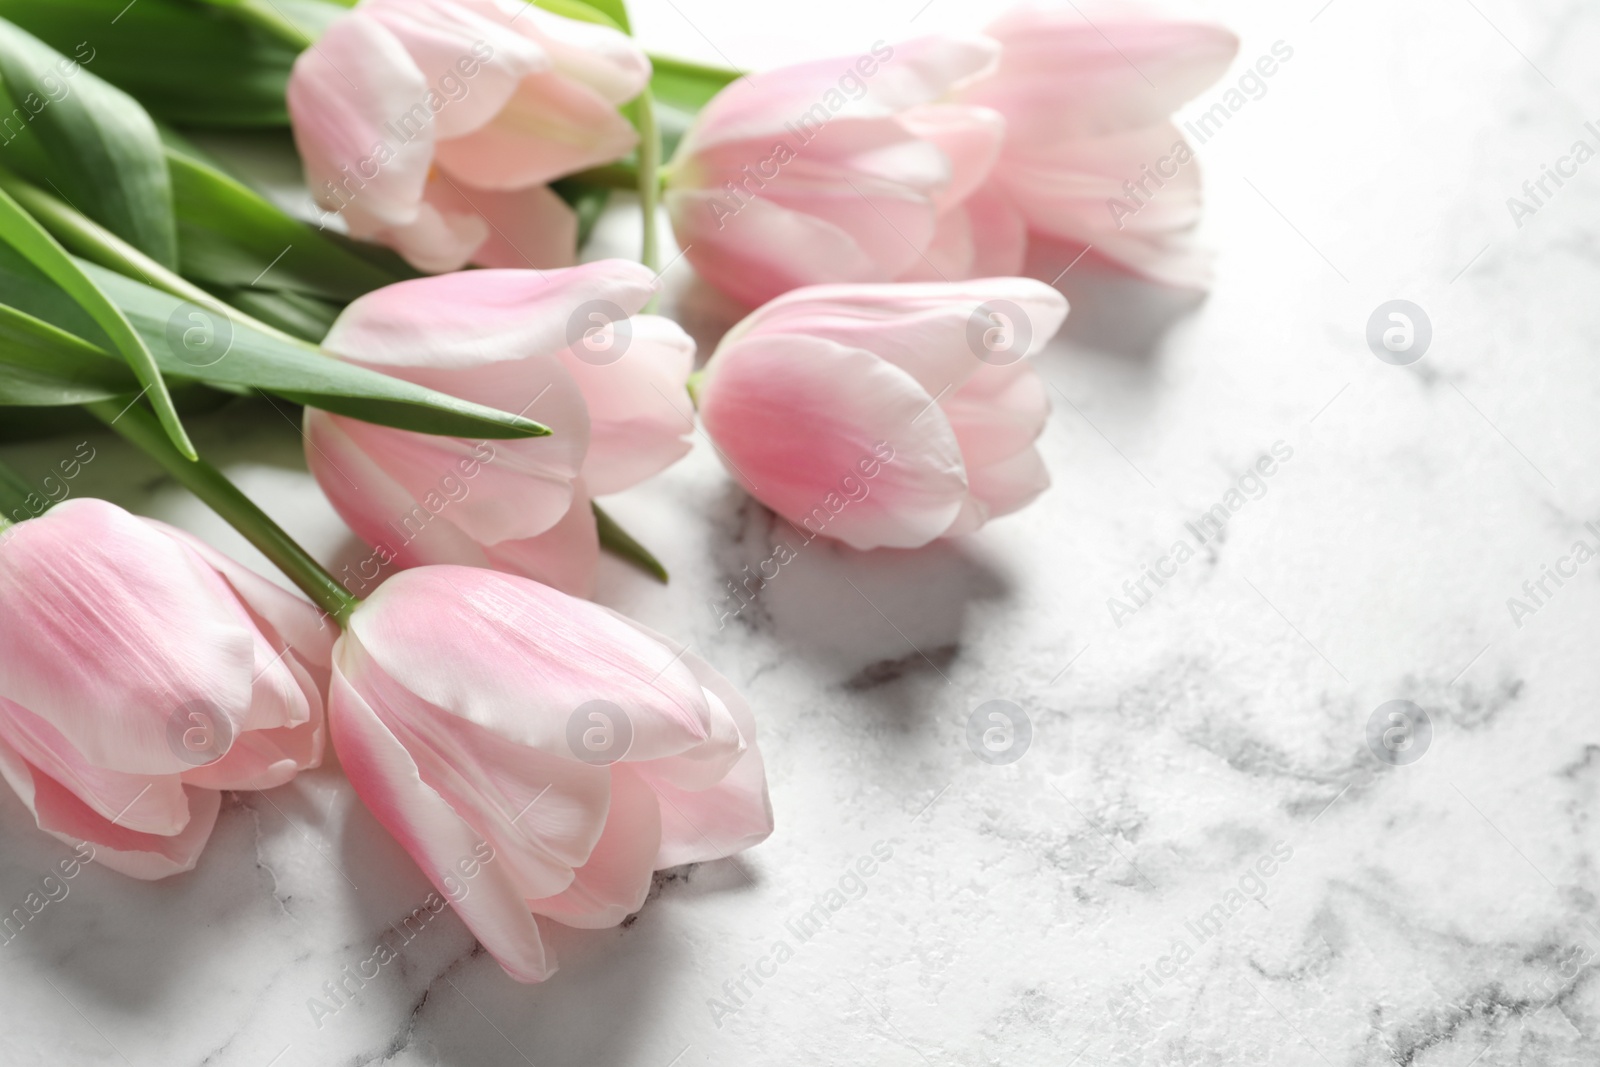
[(649, 184), (83, 236), (225, 498)]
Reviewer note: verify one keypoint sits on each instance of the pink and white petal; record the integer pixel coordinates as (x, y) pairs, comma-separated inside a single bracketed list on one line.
[(106, 611), (970, 138), (528, 228), (553, 654), (930, 330), (342, 94), (264, 759), (541, 813), (151, 804), (949, 255), (608, 62), (728, 817), (1010, 484), (614, 882), (564, 557), (447, 40), (389, 783), (516, 489), (795, 417), (457, 321), (640, 416), (550, 128), (434, 241), (761, 107), (765, 249), (63, 816), (1067, 73), (283, 616), (1000, 411), (999, 235), (1078, 190)]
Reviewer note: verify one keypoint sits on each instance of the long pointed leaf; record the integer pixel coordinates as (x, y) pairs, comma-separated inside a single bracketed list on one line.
[(103, 151), (22, 233)]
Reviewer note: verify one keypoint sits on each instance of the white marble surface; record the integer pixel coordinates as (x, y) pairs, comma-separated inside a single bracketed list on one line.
[(1438, 913)]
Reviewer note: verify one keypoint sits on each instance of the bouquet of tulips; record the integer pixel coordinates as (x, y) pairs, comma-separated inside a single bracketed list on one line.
[(469, 386)]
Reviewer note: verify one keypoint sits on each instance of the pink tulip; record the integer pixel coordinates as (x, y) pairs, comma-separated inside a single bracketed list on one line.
[(886, 415), (843, 170), (537, 755), (140, 673), (563, 347), (433, 125), (1091, 155)]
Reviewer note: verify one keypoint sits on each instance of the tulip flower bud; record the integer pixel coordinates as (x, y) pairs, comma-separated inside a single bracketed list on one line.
[(140, 673)]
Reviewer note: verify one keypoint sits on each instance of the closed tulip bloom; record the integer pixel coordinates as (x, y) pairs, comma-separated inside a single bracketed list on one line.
[(537, 755), (433, 126), (842, 170), (563, 347), (886, 415), (1091, 155), (140, 673)]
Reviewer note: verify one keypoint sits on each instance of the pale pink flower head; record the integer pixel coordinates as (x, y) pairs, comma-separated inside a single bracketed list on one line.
[(886, 415), (563, 347), (843, 170), (537, 755), (433, 126), (140, 673), (1091, 155)]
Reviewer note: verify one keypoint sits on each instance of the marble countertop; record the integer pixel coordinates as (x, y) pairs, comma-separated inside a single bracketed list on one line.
[(1193, 852)]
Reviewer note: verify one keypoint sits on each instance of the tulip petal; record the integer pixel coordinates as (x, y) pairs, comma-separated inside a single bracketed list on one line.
[(552, 126), (564, 557), (150, 804), (1000, 411), (389, 783), (553, 655), (970, 138), (1009, 484), (608, 62), (640, 415), (734, 814), (1066, 73), (801, 420), (342, 95), (145, 856), (614, 882), (383, 514), (528, 228), (471, 64), (105, 611)]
